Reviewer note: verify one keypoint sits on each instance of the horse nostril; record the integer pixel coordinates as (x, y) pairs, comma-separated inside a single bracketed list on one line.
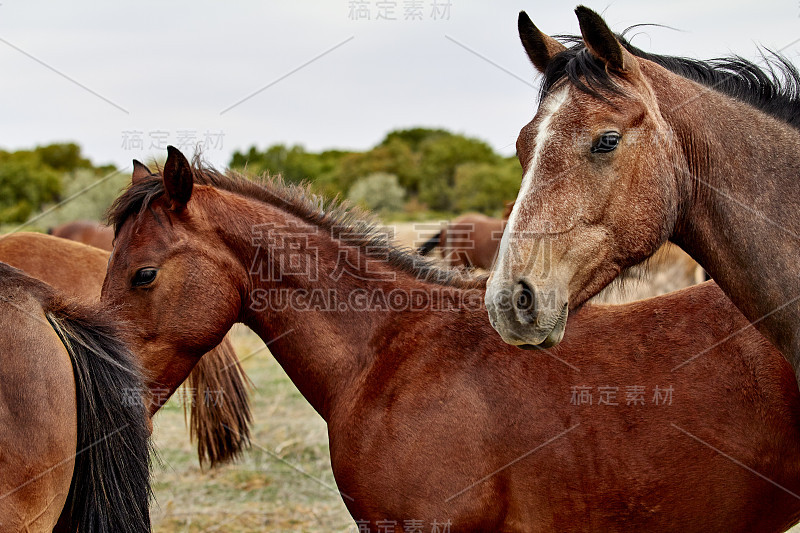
[(524, 301)]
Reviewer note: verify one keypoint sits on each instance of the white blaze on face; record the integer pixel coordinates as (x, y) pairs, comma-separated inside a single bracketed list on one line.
[(549, 108)]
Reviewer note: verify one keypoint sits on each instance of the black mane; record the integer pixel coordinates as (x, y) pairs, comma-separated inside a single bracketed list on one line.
[(774, 88)]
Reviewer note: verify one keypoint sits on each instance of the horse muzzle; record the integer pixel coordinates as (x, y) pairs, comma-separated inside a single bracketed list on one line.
[(527, 317)]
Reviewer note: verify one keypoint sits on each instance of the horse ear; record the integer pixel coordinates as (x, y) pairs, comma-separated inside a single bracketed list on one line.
[(601, 41), (178, 178), (540, 47), (140, 171)]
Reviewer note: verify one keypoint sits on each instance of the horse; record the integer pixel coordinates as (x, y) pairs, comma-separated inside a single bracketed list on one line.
[(71, 440), (86, 231), (431, 419), (221, 428), (630, 149), (470, 240)]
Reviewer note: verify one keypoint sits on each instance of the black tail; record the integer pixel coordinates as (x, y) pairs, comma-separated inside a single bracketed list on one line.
[(430, 244), (220, 401), (110, 490)]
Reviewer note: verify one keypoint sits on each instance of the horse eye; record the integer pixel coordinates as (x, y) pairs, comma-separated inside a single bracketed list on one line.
[(606, 143), (144, 276)]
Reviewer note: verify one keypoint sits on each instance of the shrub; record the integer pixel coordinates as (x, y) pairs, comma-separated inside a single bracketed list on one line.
[(379, 192)]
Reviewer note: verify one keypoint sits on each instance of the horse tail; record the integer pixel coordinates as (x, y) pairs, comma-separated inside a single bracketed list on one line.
[(220, 406), (110, 490), (430, 244)]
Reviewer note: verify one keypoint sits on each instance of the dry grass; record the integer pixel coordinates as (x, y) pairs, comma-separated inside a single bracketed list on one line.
[(265, 491)]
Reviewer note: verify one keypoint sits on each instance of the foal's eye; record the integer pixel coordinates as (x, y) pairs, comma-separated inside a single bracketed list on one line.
[(144, 276), (606, 143)]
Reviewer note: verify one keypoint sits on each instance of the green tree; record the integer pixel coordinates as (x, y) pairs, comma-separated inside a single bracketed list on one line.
[(413, 137), (486, 187), (91, 192), (32, 181), (26, 183), (293, 163), (64, 157), (424, 160), (439, 158), (327, 180), (394, 157)]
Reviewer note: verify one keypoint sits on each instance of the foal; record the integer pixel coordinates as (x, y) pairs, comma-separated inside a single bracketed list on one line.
[(432, 420)]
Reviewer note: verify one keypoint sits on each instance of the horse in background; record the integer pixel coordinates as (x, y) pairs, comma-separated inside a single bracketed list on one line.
[(86, 231), (74, 448), (470, 240), (221, 427)]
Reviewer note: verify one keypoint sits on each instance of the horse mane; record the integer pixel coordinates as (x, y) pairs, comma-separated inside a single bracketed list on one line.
[(346, 222), (774, 89)]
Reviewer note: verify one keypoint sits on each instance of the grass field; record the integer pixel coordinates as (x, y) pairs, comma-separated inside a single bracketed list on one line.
[(283, 483)]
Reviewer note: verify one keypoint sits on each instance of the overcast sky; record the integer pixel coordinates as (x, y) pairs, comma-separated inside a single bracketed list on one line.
[(121, 78)]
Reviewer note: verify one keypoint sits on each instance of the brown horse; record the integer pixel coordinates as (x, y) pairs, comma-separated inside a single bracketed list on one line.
[(470, 240), (431, 419), (87, 232), (221, 428), (629, 149), (70, 439)]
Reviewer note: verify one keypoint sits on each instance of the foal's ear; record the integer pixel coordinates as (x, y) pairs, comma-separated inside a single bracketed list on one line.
[(178, 178), (540, 47), (140, 171), (601, 41)]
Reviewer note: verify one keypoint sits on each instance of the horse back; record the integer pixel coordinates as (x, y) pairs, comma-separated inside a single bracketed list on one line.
[(498, 438), (71, 267)]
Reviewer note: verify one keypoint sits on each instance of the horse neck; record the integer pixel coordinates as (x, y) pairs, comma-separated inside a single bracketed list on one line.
[(306, 317), (738, 173)]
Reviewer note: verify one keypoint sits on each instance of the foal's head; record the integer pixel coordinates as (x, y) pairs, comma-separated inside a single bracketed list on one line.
[(598, 173), (171, 274)]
